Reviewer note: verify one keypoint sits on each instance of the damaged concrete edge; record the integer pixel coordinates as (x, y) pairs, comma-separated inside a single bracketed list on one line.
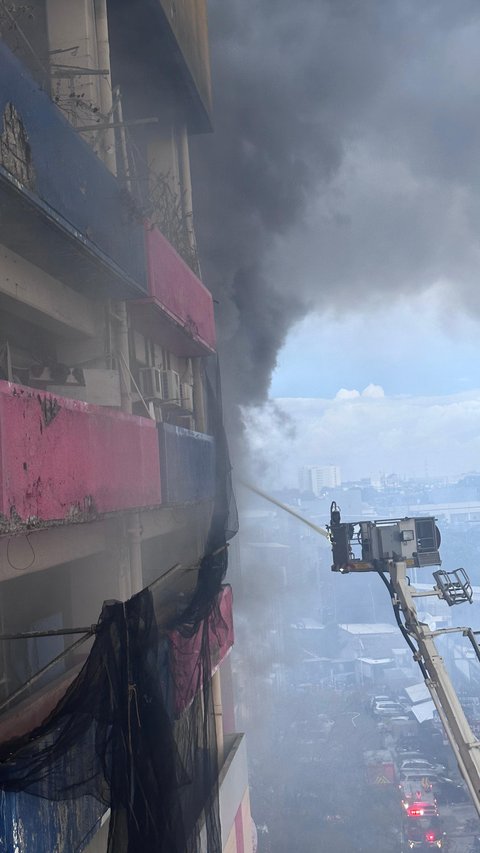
[(50, 408), (77, 514)]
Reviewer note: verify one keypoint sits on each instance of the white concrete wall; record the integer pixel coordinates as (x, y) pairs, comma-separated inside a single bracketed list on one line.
[(48, 302), (233, 786)]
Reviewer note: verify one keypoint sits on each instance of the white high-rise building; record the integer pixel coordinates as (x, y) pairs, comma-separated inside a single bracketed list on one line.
[(316, 478)]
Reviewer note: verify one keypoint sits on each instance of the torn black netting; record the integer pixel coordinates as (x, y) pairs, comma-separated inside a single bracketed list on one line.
[(118, 738)]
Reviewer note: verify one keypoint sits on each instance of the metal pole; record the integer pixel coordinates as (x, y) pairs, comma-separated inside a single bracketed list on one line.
[(123, 139), (55, 632)]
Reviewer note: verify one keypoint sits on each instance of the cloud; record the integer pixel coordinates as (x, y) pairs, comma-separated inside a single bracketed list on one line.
[(345, 394), (344, 166), (376, 392), (365, 434), (372, 391)]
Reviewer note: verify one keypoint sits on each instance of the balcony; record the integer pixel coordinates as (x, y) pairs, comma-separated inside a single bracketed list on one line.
[(186, 669), (65, 460), (178, 313), (164, 40), (60, 207), (187, 461), (233, 794)]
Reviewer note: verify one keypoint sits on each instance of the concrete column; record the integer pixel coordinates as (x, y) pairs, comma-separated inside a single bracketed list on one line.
[(105, 83), (135, 548), (186, 184), (122, 553), (218, 714), (121, 334), (163, 156), (199, 403)]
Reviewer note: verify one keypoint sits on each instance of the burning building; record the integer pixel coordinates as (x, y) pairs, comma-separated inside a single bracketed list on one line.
[(116, 729)]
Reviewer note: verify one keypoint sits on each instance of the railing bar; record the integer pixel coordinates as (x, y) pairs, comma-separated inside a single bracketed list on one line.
[(54, 632), (42, 672)]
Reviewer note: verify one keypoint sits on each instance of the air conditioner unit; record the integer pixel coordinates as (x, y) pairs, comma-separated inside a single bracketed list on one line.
[(150, 381), (171, 387), (186, 394)]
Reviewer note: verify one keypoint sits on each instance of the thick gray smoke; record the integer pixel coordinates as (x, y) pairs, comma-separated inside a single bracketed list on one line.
[(344, 166)]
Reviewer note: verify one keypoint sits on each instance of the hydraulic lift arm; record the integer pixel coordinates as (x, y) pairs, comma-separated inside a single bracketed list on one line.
[(389, 548)]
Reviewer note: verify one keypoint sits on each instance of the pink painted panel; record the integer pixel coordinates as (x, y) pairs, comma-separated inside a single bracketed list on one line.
[(177, 290), (62, 458), (239, 834), (185, 652)]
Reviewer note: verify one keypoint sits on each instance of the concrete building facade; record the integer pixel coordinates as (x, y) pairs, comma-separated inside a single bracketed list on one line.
[(317, 478), (108, 451)]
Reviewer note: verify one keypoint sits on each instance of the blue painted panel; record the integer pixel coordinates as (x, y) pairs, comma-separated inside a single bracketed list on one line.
[(187, 465), (31, 824), (72, 189)]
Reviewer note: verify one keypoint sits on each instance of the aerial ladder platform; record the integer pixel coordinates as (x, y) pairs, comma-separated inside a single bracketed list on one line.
[(392, 548)]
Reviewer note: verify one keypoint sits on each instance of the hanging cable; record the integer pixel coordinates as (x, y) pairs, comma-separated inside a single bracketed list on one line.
[(21, 568), (124, 367), (406, 635)]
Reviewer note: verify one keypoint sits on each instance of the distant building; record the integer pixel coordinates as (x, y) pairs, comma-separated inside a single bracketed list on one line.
[(316, 478)]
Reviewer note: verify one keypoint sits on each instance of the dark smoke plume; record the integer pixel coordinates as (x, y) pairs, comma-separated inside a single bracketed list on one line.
[(344, 164)]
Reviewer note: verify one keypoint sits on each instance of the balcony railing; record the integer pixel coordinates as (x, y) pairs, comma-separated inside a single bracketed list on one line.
[(178, 314), (186, 652), (64, 460), (187, 461), (60, 207)]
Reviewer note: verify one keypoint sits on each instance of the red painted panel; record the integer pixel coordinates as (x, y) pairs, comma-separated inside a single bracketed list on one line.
[(61, 457), (185, 653), (177, 290)]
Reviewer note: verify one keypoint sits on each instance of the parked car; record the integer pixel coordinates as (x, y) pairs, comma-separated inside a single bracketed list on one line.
[(421, 765), (374, 699), (388, 708), (404, 753)]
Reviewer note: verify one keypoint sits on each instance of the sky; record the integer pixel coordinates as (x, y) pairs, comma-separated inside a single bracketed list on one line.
[(339, 224), (410, 345)]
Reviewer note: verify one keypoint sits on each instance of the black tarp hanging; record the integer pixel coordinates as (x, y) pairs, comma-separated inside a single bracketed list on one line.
[(113, 737)]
